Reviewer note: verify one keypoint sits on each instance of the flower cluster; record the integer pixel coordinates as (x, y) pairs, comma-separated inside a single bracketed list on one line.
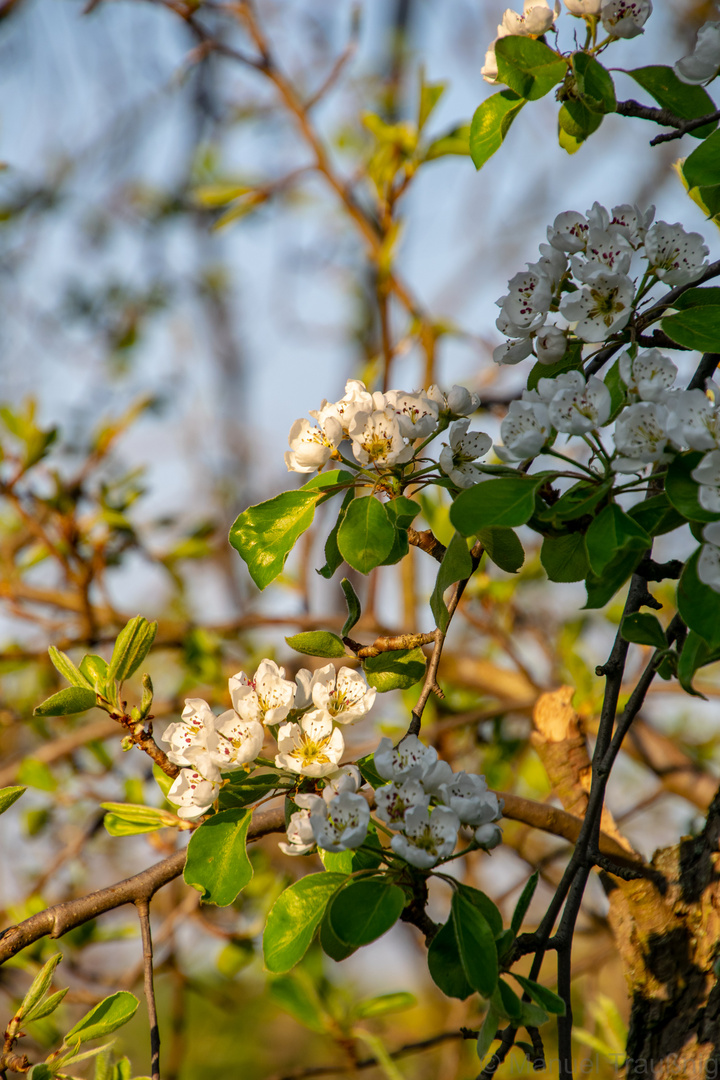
[(304, 715), (619, 18), (387, 430), (424, 804), (702, 65), (584, 275)]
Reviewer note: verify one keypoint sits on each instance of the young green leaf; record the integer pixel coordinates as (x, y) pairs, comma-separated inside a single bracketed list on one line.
[(524, 900), (642, 628), (696, 653), (317, 643), (547, 1000), (364, 910), (491, 123), (564, 558), (294, 917), (64, 665), (502, 547), (217, 862), (95, 670), (129, 819), (131, 647), (107, 1016), (242, 790), (476, 946), (366, 534), (46, 1007), (456, 565), (383, 1004), (396, 670), (9, 795), (528, 66), (73, 699), (39, 987), (594, 83), (333, 558), (485, 905), (611, 533), (508, 501), (353, 606), (488, 1033), (298, 998)]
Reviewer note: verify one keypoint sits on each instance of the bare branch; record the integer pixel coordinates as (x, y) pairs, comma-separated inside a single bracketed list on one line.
[(143, 910)]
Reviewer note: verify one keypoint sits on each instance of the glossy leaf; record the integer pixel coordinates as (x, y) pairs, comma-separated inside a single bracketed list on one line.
[(396, 670), (317, 643), (131, 647), (594, 83), (265, 534), (696, 327), (491, 123), (528, 66), (602, 587), (366, 534), (353, 606), (564, 558), (656, 515), (642, 628), (455, 566), (702, 167), (9, 795), (242, 790), (333, 557), (73, 699), (698, 604), (484, 905), (610, 533), (129, 819), (476, 946), (217, 864), (696, 653), (578, 121), (364, 910), (444, 963), (682, 490), (107, 1016), (294, 917), (331, 944), (508, 501), (402, 511), (502, 547), (687, 102)]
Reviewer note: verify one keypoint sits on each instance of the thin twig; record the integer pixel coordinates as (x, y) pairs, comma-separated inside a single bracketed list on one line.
[(143, 910)]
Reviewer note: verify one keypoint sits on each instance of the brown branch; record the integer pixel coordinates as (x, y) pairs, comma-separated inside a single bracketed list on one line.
[(648, 112), (58, 919), (143, 910), (368, 1063), (388, 644), (428, 542), (685, 127)]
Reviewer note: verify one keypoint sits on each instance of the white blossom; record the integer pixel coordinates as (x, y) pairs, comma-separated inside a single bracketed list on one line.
[(312, 447), (606, 250), (393, 801), (552, 264), (312, 748), (188, 738), (458, 401), (377, 439), (694, 420), (194, 793), (625, 18), (236, 742), (550, 344), (411, 759), (707, 475), (267, 698), (347, 778), (601, 307), (702, 65), (488, 836), (469, 797), (631, 222), (641, 436), (417, 413), (300, 835), (457, 459), (489, 70), (357, 398), (568, 232), (341, 823), (435, 775), (649, 375), (536, 19), (581, 8), (576, 406), (525, 429), (512, 352), (676, 256), (708, 565), (429, 835), (528, 299), (343, 695)]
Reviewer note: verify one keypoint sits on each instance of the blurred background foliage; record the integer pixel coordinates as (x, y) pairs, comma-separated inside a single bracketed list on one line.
[(185, 266)]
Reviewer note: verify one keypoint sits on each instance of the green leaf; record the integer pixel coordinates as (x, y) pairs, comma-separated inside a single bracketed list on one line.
[(64, 665), (366, 534), (702, 167), (46, 1007), (41, 1071), (484, 905), (95, 670), (364, 910), (395, 670), (564, 558), (353, 606), (696, 653), (317, 643), (548, 1000), (602, 587), (579, 501), (488, 1033), (594, 83), (656, 515), (369, 773), (243, 790), (528, 66), (644, 629), (333, 558), (687, 102), (682, 490), (39, 987), (444, 963), (9, 795), (503, 547), (402, 511), (702, 296), (298, 998), (696, 328), (36, 774), (524, 901), (618, 391), (430, 94), (490, 125), (73, 699), (476, 946), (454, 141), (348, 861), (383, 1004), (611, 533), (508, 501), (507, 1002), (264, 535), (571, 361), (131, 647), (578, 121), (532, 1015), (217, 864), (109, 1015), (294, 917), (129, 819), (455, 566), (331, 944), (698, 604)]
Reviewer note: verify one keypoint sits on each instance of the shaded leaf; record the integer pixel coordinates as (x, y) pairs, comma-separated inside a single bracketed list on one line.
[(217, 864)]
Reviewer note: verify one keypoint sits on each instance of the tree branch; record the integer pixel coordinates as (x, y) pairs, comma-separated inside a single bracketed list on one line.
[(143, 910)]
